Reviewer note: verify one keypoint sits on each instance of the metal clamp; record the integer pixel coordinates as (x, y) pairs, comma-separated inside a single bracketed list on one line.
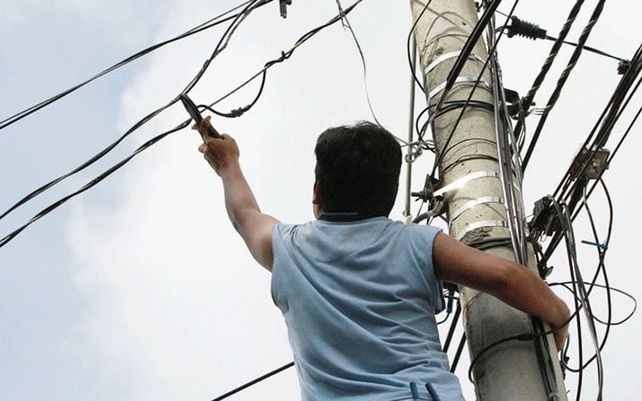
[(474, 203), (448, 56), (481, 224), (459, 80), (460, 182)]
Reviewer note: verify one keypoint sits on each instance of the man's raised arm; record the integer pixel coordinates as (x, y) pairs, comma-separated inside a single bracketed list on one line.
[(254, 227)]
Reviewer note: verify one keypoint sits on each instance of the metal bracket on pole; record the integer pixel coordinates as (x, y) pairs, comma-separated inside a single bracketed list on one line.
[(484, 200), (459, 80), (481, 224), (465, 180), (448, 56)]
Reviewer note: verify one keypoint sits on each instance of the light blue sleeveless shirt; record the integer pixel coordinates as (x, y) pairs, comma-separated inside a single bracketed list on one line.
[(359, 300)]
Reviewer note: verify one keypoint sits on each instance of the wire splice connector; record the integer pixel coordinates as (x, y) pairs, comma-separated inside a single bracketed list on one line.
[(525, 29), (283, 7)]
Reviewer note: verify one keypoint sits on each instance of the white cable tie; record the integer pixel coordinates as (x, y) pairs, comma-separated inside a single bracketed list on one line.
[(460, 182), (481, 224), (460, 80), (448, 56), (484, 200)]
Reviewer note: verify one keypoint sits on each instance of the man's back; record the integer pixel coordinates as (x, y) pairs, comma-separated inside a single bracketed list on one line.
[(359, 301)]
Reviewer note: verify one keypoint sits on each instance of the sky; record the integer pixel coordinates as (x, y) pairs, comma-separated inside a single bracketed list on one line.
[(140, 289)]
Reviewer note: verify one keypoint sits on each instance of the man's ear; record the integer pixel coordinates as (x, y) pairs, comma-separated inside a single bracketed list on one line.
[(317, 199)]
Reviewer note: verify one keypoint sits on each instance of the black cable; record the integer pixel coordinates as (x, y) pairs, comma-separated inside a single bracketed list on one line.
[(363, 59), (579, 282), (562, 80), (413, 67), (532, 31), (587, 48), (528, 99), (211, 23), (439, 158), (133, 128), (601, 131), (90, 184), (253, 382), (451, 329), (238, 112), (565, 284), (269, 64), (468, 46), (458, 352)]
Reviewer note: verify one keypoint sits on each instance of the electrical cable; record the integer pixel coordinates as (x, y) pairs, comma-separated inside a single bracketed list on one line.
[(579, 282), (458, 352), (269, 64), (617, 104), (411, 63), (133, 128), (565, 285), (439, 158), (468, 46), (587, 48), (532, 31), (253, 382), (6, 239), (211, 23), (363, 60), (562, 80), (528, 99)]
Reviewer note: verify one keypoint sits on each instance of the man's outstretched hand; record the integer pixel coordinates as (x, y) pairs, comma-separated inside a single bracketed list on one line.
[(221, 153)]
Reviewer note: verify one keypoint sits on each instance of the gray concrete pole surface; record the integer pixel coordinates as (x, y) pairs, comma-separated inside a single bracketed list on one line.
[(476, 212)]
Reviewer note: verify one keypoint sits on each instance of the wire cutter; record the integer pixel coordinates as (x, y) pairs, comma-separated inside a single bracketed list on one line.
[(197, 117)]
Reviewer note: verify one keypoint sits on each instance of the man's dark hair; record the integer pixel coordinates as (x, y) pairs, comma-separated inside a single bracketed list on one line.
[(358, 169)]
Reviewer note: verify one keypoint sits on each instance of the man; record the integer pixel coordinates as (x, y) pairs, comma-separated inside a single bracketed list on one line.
[(358, 291)]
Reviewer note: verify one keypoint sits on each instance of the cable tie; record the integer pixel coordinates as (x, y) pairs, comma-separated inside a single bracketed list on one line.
[(603, 247)]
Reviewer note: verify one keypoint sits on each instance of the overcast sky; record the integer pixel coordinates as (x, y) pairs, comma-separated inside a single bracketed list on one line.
[(140, 289)]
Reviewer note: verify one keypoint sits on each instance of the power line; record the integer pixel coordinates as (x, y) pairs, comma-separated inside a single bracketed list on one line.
[(211, 23), (561, 81), (219, 47), (284, 56), (253, 382)]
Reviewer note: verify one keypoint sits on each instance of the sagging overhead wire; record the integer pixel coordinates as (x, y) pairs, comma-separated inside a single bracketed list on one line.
[(346, 24), (211, 23), (284, 56), (217, 50)]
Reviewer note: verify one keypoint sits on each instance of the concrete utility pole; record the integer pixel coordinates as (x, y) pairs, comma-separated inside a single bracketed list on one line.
[(476, 211)]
